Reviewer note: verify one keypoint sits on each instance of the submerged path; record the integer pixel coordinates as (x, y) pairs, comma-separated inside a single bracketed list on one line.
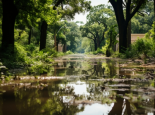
[(84, 85)]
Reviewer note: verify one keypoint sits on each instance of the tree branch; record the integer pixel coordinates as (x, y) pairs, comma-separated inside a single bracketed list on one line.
[(128, 10), (92, 34), (135, 10), (90, 38)]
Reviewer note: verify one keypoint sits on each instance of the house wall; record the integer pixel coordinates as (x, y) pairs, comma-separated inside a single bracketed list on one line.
[(60, 47), (134, 37)]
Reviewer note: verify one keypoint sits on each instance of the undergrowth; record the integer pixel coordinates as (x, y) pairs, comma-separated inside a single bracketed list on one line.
[(31, 58)]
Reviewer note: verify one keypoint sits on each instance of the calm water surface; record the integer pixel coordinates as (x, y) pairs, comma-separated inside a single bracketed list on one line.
[(90, 87)]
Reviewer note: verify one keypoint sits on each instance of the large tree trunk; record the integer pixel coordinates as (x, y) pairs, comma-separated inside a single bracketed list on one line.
[(10, 12), (154, 39), (55, 42), (122, 25), (95, 44), (57, 46), (154, 20), (122, 22), (30, 34), (98, 43), (64, 48), (129, 35), (19, 36), (122, 38), (43, 35)]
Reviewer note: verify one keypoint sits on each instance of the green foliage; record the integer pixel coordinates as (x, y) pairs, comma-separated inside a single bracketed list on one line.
[(142, 47), (69, 52), (73, 37), (116, 54), (99, 19), (111, 41), (98, 51), (59, 54), (50, 51), (19, 56), (31, 47), (87, 45), (143, 23)]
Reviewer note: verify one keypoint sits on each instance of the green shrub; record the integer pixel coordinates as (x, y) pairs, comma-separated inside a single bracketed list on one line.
[(69, 52), (99, 51), (142, 46), (20, 54), (31, 48), (116, 54), (17, 58), (111, 41), (51, 52), (60, 54), (95, 52)]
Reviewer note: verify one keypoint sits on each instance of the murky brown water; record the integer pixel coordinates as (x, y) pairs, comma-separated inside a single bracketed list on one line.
[(90, 87)]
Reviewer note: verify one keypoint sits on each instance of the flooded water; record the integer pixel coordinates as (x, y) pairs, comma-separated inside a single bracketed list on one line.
[(81, 86)]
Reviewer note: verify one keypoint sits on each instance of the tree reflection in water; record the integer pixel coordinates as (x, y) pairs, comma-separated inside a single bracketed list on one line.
[(46, 101), (93, 78)]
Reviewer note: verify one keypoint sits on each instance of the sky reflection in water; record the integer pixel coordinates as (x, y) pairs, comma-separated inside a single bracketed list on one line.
[(97, 109)]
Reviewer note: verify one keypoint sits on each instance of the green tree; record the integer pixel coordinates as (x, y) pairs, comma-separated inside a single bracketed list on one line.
[(93, 32), (73, 37), (99, 19), (67, 9), (123, 21), (141, 24), (87, 44), (27, 8), (57, 28)]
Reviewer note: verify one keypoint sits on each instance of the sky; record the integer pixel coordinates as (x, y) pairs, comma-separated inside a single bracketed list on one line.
[(82, 17)]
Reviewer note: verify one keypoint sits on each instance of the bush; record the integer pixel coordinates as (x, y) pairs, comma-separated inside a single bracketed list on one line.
[(111, 41), (69, 52), (98, 51), (51, 52), (31, 48), (142, 46), (60, 54), (20, 54), (116, 54), (17, 59)]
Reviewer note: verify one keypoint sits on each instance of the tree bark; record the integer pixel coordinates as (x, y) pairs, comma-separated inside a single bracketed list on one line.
[(98, 41), (55, 42), (95, 43), (43, 35), (122, 22), (10, 12), (129, 35), (44, 30), (64, 48), (30, 34), (154, 39), (122, 38), (57, 46), (154, 20), (19, 36)]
